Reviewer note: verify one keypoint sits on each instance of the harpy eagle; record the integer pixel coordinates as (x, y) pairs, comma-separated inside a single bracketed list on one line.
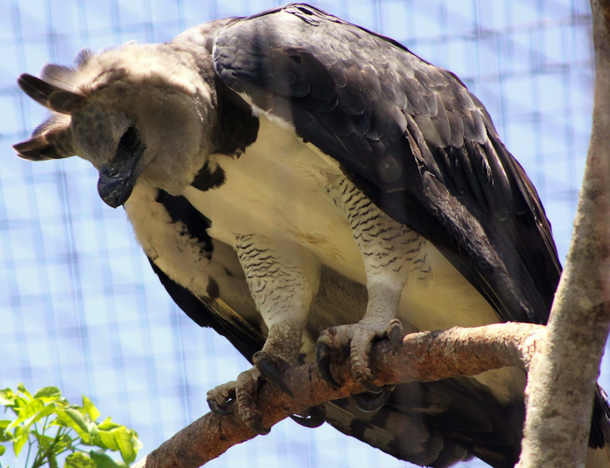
[(295, 179)]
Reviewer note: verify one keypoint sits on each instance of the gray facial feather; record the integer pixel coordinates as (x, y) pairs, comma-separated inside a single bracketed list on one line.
[(159, 89), (61, 76), (54, 143)]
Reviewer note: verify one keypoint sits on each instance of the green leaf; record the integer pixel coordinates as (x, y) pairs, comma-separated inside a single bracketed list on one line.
[(72, 418), (7, 397), (5, 435), (48, 394), (23, 390), (94, 436), (104, 460), (108, 425), (2, 450), (79, 460), (90, 408), (46, 411), (21, 437), (106, 440), (137, 444), (19, 403), (34, 406), (127, 447)]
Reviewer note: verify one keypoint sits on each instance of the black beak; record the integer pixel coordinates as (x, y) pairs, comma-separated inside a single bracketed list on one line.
[(117, 179)]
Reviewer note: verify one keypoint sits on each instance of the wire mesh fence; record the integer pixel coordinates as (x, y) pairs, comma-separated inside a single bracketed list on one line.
[(79, 305)]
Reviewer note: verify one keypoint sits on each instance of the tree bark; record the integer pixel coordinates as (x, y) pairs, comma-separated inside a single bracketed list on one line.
[(563, 375), (426, 356)]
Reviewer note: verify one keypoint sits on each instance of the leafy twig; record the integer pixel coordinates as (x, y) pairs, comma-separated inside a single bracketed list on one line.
[(75, 425)]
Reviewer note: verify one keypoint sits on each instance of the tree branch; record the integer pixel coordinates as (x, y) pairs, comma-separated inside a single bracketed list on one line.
[(563, 376), (423, 357)]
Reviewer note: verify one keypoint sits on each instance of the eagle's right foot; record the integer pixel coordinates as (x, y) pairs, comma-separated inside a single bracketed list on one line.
[(272, 367), (354, 342), (358, 339)]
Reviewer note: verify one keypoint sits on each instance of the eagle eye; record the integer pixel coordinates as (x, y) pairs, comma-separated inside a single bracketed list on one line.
[(129, 140)]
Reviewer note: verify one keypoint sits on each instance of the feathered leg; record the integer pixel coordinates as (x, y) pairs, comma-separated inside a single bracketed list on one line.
[(282, 279), (390, 252)]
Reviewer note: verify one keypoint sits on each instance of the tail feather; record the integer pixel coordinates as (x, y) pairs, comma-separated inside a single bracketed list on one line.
[(437, 424), (598, 455)]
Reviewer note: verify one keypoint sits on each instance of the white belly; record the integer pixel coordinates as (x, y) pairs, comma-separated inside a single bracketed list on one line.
[(278, 188)]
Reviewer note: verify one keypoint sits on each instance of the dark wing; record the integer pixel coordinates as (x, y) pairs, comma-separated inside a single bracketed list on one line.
[(208, 314), (410, 136), (206, 311), (437, 424)]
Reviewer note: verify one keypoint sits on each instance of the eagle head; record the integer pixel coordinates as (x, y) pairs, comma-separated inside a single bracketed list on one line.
[(138, 114)]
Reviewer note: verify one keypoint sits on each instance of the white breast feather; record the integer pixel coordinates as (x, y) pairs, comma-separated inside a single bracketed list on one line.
[(279, 188)]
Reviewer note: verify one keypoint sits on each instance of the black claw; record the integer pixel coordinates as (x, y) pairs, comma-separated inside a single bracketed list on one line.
[(370, 387), (316, 416), (371, 402), (270, 372), (216, 408), (256, 424), (323, 359)]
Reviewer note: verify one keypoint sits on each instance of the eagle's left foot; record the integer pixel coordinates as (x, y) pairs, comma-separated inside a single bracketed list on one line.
[(360, 337), (272, 367), (245, 390), (219, 397)]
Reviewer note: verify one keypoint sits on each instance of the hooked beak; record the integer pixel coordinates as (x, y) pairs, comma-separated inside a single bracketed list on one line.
[(117, 179)]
